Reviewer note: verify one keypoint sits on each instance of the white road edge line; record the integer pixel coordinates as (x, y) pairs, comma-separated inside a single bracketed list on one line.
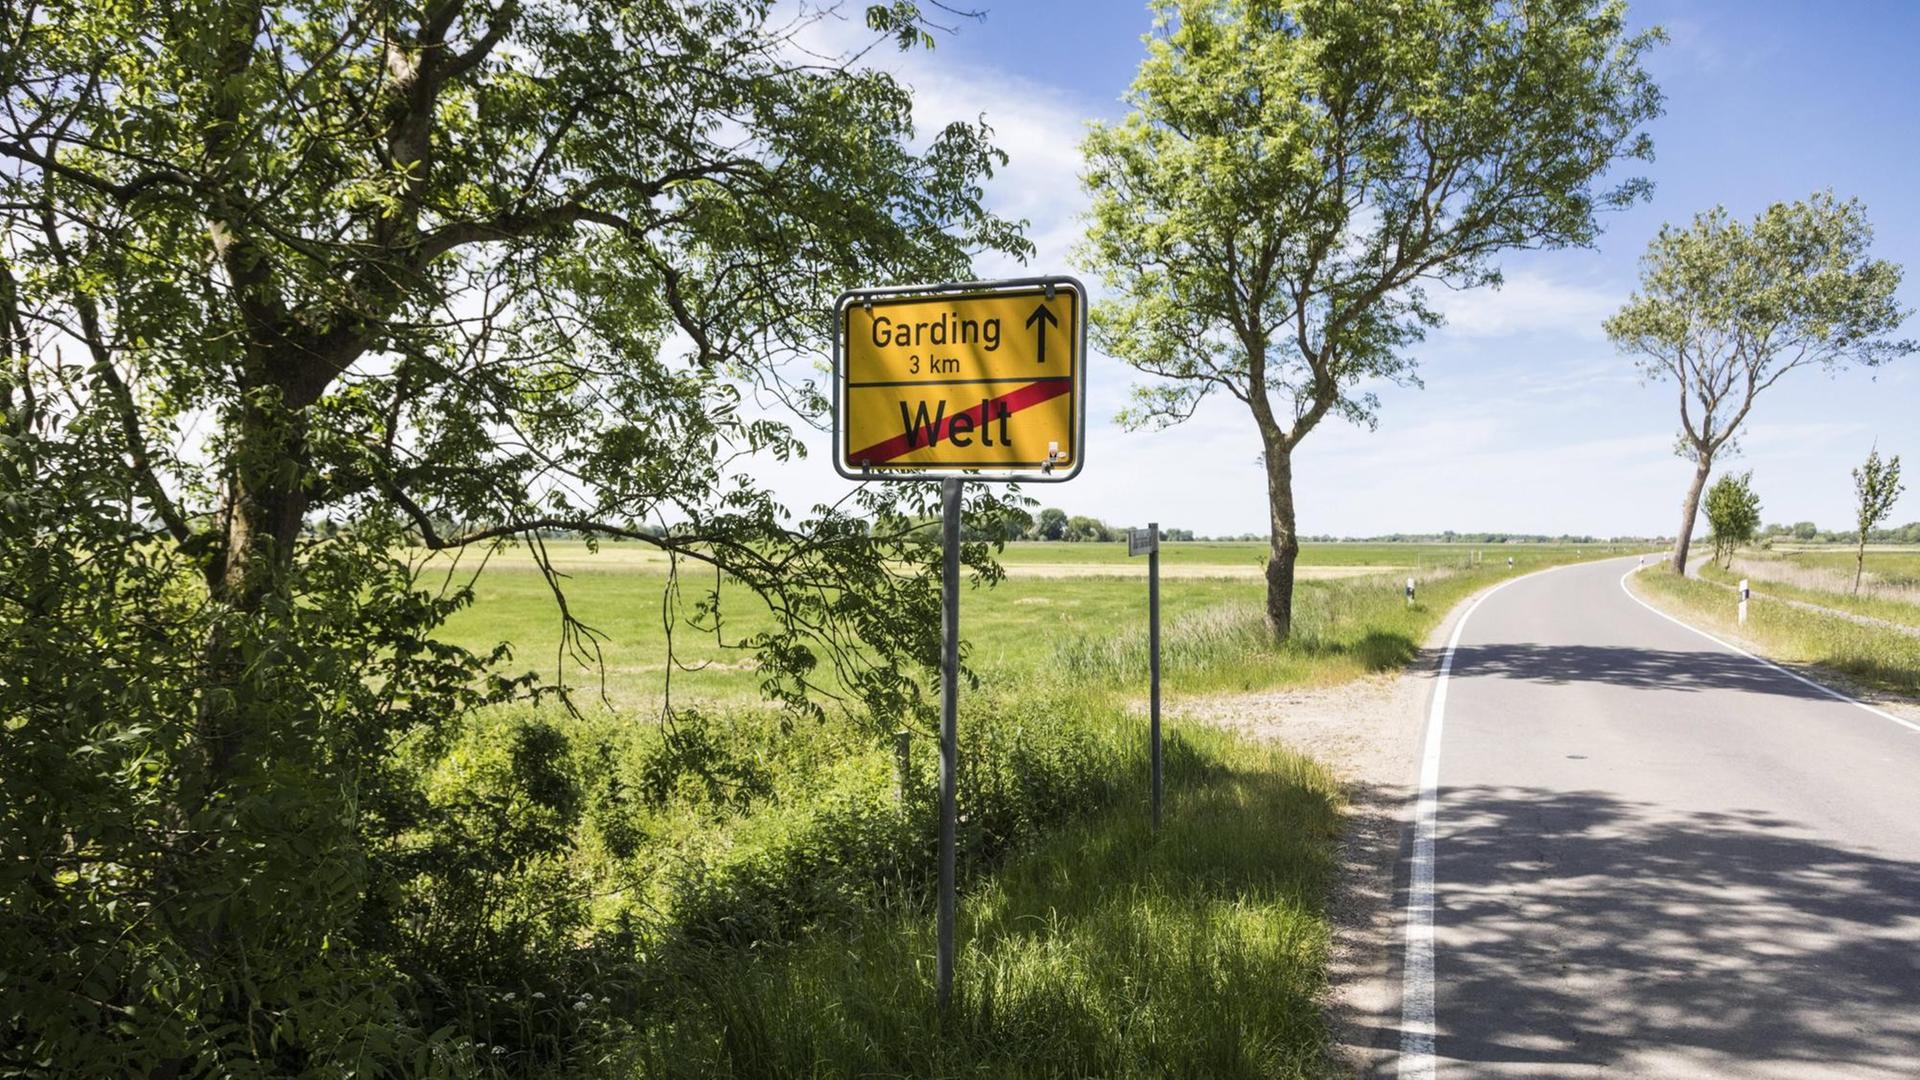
[(1417, 1023), (1795, 676)]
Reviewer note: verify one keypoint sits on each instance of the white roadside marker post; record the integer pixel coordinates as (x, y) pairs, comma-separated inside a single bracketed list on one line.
[(1745, 594), (1409, 592)]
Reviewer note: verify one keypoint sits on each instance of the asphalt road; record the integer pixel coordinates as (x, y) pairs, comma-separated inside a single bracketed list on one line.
[(1654, 857)]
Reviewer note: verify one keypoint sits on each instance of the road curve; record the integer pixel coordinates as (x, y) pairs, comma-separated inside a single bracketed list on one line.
[(1655, 857)]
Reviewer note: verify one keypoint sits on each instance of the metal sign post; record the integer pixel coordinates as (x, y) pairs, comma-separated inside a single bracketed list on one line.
[(1148, 540), (976, 381), (949, 726)]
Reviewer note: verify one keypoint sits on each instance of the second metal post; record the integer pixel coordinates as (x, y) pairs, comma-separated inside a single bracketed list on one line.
[(1153, 664)]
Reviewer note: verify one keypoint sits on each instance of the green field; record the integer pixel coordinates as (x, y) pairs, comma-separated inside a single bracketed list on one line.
[(1239, 553), (1061, 605), (1895, 560)]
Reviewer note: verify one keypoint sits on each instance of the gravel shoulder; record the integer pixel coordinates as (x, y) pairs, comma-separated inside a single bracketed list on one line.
[(1368, 732)]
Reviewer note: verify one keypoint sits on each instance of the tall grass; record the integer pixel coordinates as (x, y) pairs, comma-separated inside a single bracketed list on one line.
[(1883, 658), (1102, 950), (1342, 629)]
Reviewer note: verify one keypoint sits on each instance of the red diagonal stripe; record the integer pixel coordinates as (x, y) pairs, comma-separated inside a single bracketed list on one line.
[(1026, 397)]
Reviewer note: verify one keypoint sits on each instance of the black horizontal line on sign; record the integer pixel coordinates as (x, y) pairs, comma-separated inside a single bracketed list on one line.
[(1021, 379)]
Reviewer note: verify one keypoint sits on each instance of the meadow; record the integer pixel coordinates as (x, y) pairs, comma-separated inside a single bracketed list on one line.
[(1061, 604), (1889, 588)]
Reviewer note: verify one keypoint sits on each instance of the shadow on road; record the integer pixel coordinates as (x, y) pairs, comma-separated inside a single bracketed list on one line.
[(1662, 669), (1577, 928)]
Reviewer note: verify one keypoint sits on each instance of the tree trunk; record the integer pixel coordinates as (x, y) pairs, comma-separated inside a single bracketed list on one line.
[(267, 500), (1284, 541), (1859, 562), (1683, 539)]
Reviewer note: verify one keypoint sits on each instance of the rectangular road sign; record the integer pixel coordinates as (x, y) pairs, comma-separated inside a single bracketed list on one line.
[(982, 380), (1142, 541)]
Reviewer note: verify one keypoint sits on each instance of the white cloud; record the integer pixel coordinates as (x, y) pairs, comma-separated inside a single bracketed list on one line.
[(1529, 302)]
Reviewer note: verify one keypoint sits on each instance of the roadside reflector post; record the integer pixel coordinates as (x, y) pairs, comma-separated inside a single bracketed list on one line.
[(1409, 592), (1745, 595), (1153, 662)]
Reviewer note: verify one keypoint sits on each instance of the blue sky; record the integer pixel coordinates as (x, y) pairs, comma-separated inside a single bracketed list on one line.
[(1528, 421)]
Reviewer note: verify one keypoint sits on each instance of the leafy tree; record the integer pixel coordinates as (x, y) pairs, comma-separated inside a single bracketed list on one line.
[(1292, 175), (1088, 529), (1051, 525), (449, 275), (1805, 530), (1733, 512), (1725, 310), (1876, 487)]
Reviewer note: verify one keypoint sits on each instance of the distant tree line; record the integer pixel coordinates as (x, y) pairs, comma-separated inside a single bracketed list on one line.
[(1806, 532), (1451, 537), (1058, 525)]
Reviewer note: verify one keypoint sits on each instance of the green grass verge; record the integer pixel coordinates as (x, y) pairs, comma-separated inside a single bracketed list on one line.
[(1101, 950), (1881, 658), (1343, 630)]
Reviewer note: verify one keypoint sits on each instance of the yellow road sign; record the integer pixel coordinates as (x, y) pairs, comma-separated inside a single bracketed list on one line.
[(984, 381)]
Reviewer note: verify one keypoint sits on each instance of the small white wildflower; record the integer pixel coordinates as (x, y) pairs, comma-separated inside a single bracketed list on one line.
[(499, 1050), (509, 996), (580, 1006), (538, 996), (606, 1001)]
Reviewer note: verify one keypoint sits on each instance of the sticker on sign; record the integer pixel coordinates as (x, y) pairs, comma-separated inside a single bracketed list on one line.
[(981, 380)]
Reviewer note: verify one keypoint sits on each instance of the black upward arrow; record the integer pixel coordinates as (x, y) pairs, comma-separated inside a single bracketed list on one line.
[(1043, 315)]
